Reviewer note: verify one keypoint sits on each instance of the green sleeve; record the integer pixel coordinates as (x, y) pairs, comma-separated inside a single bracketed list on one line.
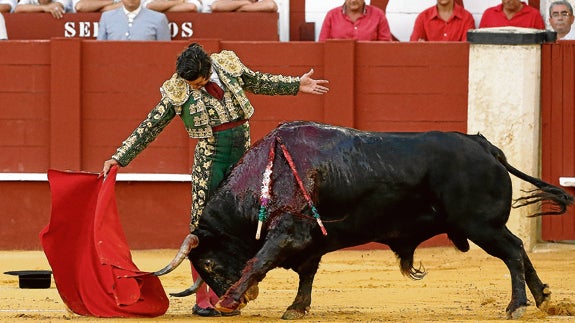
[(145, 133), (269, 84)]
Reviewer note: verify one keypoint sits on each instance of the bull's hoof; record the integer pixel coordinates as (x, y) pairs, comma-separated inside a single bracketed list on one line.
[(293, 315), (545, 300), (227, 305), (252, 293), (516, 313)]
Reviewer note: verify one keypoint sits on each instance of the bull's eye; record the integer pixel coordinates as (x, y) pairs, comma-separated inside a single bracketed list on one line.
[(209, 265)]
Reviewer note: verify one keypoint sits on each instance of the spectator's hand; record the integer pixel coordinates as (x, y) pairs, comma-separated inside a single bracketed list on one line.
[(55, 9), (112, 6), (311, 86), (107, 165)]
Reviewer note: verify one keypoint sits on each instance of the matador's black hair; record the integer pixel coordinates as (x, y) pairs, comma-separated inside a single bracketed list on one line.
[(194, 62)]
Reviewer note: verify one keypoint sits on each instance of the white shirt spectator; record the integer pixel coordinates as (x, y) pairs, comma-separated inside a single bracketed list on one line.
[(140, 24), (199, 3), (11, 3), (207, 6), (570, 35), (3, 33), (66, 3)]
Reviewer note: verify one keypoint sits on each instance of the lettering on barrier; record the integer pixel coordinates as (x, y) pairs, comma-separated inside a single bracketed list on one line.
[(84, 29), (89, 29), (183, 26), (184, 29)]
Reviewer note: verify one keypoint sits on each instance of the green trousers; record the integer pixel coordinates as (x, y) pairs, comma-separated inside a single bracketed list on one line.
[(213, 158)]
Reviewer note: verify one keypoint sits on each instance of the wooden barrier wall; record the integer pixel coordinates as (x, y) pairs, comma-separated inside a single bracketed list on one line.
[(249, 26), (558, 130), (68, 103)]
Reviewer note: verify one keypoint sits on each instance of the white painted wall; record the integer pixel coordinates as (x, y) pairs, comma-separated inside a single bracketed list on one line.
[(503, 105), (283, 23)]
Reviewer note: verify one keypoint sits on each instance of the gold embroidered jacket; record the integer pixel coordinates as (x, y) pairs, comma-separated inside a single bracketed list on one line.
[(200, 111)]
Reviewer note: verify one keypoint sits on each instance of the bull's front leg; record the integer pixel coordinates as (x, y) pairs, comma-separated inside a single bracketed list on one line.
[(237, 296), (285, 240), (255, 270), (301, 304)]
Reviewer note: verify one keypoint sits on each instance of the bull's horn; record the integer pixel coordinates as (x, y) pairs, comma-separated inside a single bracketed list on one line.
[(190, 290), (190, 242)]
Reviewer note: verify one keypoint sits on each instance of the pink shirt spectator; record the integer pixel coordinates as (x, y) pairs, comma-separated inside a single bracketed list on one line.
[(528, 17), (372, 25), (430, 27)]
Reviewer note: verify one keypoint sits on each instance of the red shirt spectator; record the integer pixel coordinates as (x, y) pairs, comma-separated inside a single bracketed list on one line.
[(527, 17), (355, 20), (429, 25)]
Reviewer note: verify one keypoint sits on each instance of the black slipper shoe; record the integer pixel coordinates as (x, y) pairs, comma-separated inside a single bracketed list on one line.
[(206, 312), (232, 313)]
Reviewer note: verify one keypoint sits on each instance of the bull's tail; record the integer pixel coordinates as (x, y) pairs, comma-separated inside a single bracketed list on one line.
[(549, 194), (557, 198)]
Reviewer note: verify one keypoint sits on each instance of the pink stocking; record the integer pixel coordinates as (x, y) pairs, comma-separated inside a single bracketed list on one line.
[(205, 296)]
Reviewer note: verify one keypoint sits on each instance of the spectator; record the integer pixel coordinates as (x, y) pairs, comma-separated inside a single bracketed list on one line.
[(8, 5), (56, 8), (512, 13), (133, 22), (355, 20), (446, 21), (174, 5), (244, 5), (96, 5), (3, 33), (561, 19)]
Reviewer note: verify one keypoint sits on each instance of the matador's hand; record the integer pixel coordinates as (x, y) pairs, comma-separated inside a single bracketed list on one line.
[(311, 86), (107, 165)]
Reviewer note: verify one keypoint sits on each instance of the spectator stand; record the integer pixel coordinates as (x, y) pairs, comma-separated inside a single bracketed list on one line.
[(401, 14), (252, 26)]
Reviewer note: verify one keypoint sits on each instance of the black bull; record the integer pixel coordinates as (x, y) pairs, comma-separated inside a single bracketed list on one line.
[(398, 189)]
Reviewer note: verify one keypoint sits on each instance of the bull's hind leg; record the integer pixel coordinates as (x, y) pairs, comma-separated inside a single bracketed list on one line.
[(539, 290), (501, 243)]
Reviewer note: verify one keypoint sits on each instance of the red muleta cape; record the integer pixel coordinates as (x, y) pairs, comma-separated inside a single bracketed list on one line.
[(89, 254)]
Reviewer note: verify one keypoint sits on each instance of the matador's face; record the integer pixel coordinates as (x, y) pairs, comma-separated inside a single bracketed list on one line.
[(197, 83)]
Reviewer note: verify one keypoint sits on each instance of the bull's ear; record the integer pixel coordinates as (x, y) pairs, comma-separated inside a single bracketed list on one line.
[(191, 241)]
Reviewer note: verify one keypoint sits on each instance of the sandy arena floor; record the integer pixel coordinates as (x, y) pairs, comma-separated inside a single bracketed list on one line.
[(351, 286)]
